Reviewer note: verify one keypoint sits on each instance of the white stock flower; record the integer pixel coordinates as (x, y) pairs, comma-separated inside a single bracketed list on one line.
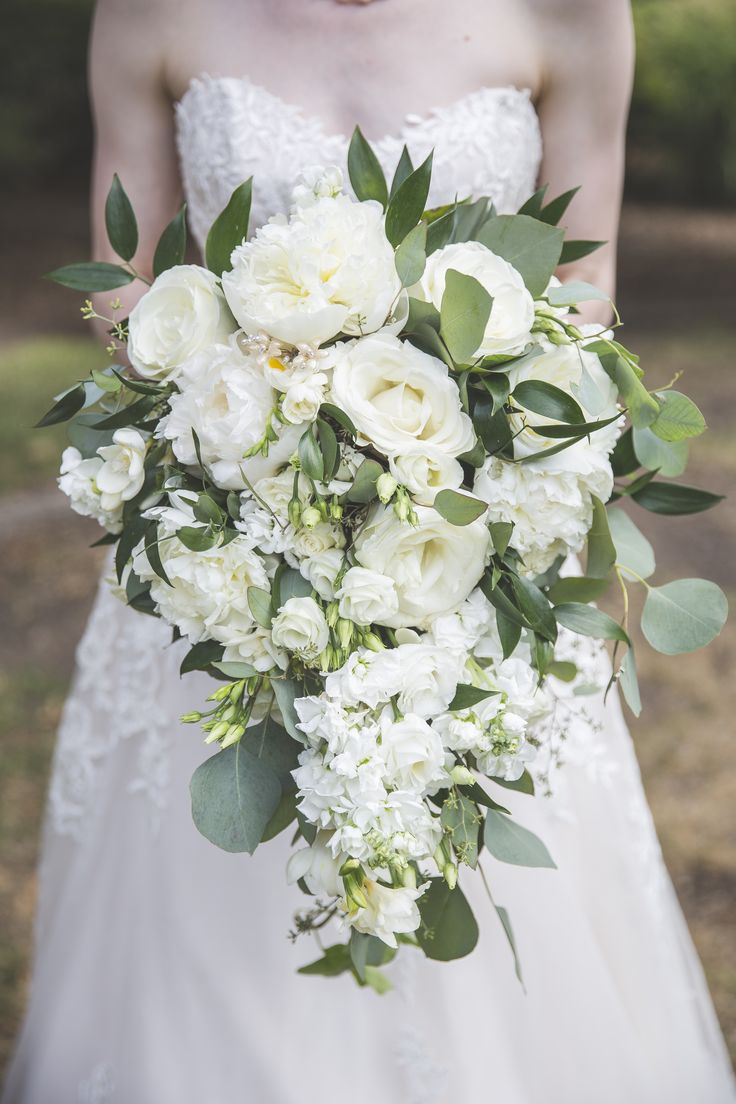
[(329, 268), (122, 473), (508, 329), (390, 912), (303, 398), (460, 632), (182, 313), (413, 755), (548, 501), (317, 182), (434, 564), (400, 398), (366, 677), (227, 401), (300, 627), (367, 596), (579, 374), (77, 479), (425, 471)]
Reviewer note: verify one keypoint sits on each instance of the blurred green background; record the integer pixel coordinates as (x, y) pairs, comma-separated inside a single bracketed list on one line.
[(677, 288)]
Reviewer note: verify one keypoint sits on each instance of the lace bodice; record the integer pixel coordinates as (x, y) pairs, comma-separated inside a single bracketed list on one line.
[(486, 143)]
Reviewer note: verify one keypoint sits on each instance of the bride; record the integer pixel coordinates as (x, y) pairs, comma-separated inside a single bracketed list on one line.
[(163, 972)]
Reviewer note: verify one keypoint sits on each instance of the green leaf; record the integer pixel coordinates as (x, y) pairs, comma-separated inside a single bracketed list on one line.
[(91, 276), (286, 691), (464, 312), (623, 458), (229, 229), (509, 633), (336, 960), (172, 244), (501, 535), (122, 229), (331, 411), (678, 419), (577, 291), (684, 615), (236, 670), (65, 407), (632, 547), (503, 916), (577, 589), (498, 387), (448, 929), (207, 511), (575, 250), (260, 605), (551, 402), (462, 821), (563, 670), (535, 607), (508, 842), (643, 408), (493, 429), (532, 247), (467, 696), (197, 539), (292, 584), (329, 447), (201, 656), (153, 555), (575, 432), (629, 683), (406, 206), (533, 205), (421, 313), (368, 950), (234, 795), (403, 169), (525, 784), (411, 255), (666, 457), (310, 456), (588, 621), (674, 498), (283, 816), (364, 170), (555, 209), (377, 980), (601, 549), (459, 509), (363, 489)]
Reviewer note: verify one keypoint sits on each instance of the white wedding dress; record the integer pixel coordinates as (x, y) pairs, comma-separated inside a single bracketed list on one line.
[(163, 971)]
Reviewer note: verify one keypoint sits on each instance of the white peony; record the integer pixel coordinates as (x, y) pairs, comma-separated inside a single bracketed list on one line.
[(300, 627), (578, 373), (328, 269), (424, 471), (226, 400), (399, 398), (389, 912), (182, 313), (508, 329), (122, 473), (548, 500), (434, 564), (413, 755), (367, 597)]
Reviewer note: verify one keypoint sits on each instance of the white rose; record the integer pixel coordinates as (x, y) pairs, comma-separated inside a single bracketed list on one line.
[(389, 912), (226, 400), (548, 500), (78, 481), (329, 268), (400, 398), (321, 570), (429, 678), (434, 565), (366, 596), (508, 329), (182, 313), (121, 475), (413, 755), (578, 373), (425, 471), (300, 627), (310, 542)]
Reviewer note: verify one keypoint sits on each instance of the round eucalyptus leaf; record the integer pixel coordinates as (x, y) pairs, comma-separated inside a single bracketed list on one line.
[(448, 929), (632, 547), (234, 796), (684, 615)]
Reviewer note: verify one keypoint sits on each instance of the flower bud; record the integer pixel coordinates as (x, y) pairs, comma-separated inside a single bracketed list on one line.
[(311, 516), (373, 642), (409, 877), (461, 776), (234, 735), (386, 486), (191, 718), (450, 875), (345, 631), (294, 511)]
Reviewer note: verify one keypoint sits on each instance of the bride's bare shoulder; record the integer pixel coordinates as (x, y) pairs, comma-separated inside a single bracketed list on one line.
[(141, 37), (584, 23)]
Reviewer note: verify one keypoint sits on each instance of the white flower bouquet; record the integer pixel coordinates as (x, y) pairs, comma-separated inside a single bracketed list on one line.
[(348, 462)]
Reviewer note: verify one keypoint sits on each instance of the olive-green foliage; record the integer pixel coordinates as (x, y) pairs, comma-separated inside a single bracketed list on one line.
[(682, 136)]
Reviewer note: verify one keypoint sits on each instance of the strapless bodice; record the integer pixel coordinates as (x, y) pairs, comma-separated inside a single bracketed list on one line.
[(486, 143)]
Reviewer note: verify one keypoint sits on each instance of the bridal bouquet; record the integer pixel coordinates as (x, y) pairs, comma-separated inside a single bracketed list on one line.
[(348, 462)]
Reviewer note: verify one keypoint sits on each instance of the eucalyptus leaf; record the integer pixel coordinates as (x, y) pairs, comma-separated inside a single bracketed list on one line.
[(310, 456), (283, 816), (576, 291), (629, 683), (461, 821), (508, 842), (292, 584), (286, 691), (666, 457), (577, 588), (684, 615), (260, 605), (678, 419), (411, 255), (234, 795), (503, 916), (459, 509), (464, 312), (363, 489), (448, 929), (532, 247), (633, 550), (335, 961)]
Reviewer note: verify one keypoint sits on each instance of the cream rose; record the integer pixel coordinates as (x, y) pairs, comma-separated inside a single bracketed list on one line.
[(509, 327), (367, 597), (399, 398), (300, 627), (434, 564), (329, 268), (183, 312), (413, 755), (122, 473), (425, 471)]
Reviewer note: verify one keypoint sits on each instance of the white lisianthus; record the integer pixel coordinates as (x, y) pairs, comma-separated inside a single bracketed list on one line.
[(77, 479), (459, 632), (425, 471), (317, 866), (429, 678), (182, 313), (300, 627), (579, 374), (122, 473), (321, 570), (434, 564), (400, 398), (367, 597), (226, 400), (329, 268), (390, 912), (548, 500), (413, 755), (508, 329), (311, 542)]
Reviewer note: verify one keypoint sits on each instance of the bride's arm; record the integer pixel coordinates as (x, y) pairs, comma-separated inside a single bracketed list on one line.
[(588, 56), (134, 130)]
